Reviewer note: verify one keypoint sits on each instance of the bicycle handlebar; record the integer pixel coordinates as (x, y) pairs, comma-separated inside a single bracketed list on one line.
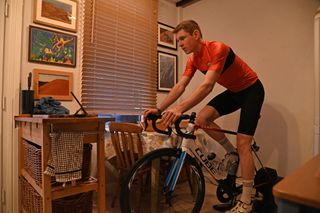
[(155, 117)]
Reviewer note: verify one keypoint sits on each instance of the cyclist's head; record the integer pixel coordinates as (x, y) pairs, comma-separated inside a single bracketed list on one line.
[(189, 26)]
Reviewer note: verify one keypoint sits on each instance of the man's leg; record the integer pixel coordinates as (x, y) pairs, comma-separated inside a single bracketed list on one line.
[(247, 172), (250, 100), (247, 165), (206, 119)]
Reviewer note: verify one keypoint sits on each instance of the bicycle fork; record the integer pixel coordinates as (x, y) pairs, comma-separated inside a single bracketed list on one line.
[(173, 176), (175, 168)]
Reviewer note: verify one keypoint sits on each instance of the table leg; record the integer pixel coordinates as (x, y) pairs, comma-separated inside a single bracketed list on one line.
[(155, 185), (101, 174)]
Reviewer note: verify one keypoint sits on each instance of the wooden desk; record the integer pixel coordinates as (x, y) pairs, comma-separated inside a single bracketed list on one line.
[(37, 130), (302, 187)]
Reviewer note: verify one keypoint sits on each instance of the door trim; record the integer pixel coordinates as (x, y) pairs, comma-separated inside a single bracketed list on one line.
[(2, 27)]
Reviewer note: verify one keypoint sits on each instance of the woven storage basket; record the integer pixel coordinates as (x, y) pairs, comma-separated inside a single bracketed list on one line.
[(80, 203), (32, 201), (32, 161)]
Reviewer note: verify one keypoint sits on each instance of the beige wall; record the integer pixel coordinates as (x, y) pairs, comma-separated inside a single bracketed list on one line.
[(276, 39), (28, 67), (168, 14)]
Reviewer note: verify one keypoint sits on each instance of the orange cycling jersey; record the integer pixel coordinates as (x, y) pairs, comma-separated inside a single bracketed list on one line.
[(235, 74)]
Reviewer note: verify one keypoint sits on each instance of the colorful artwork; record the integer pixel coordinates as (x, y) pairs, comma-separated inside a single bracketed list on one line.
[(50, 47)]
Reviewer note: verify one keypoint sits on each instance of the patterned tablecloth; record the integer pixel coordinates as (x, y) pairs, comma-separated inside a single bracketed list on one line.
[(151, 141)]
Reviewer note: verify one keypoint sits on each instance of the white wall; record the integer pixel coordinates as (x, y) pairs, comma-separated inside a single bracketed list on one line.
[(276, 39)]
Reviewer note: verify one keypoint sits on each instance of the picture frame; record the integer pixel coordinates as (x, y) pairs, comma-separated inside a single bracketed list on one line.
[(166, 37), (51, 83), (52, 47), (167, 71), (62, 14)]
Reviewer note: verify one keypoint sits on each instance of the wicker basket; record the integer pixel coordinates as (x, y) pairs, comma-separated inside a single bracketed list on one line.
[(32, 161), (32, 201), (80, 203)]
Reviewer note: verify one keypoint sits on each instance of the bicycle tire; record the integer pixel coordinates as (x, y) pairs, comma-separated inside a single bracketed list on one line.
[(136, 191)]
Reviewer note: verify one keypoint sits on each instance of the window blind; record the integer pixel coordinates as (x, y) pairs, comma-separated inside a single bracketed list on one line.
[(119, 60)]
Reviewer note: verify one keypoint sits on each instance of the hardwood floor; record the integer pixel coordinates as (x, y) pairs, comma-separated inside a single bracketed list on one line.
[(210, 199)]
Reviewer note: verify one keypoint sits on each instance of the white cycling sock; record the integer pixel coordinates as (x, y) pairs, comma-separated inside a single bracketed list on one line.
[(227, 145), (247, 187)]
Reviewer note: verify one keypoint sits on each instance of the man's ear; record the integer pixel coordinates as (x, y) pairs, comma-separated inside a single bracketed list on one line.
[(196, 34)]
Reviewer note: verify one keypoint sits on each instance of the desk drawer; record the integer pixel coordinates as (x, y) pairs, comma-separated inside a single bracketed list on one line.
[(32, 132)]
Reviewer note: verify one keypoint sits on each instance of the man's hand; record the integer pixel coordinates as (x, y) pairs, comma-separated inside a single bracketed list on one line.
[(170, 116), (150, 111)]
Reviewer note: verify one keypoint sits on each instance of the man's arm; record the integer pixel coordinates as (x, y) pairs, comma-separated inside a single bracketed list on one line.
[(200, 93), (173, 95), (196, 97)]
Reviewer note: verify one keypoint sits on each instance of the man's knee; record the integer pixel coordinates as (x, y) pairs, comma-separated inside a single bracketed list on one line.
[(201, 121), (206, 115)]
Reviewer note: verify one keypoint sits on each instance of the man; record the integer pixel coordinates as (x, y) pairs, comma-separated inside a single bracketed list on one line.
[(244, 91)]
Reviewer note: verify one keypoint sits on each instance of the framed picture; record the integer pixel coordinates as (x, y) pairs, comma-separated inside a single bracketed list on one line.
[(166, 37), (51, 47), (56, 84), (167, 71), (61, 14)]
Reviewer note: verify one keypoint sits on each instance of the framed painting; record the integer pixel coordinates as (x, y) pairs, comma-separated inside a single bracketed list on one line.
[(167, 71), (51, 47), (56, 84), (61, 14), (166, 37)]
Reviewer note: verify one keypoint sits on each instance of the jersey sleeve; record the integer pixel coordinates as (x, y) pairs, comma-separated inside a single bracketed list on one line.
[(190, 68), (218, 55)]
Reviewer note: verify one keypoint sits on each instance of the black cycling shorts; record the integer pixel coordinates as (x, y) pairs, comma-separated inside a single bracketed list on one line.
[(249, 100)]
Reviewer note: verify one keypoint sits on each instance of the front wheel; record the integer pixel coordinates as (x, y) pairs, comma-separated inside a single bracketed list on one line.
[(143, 190)]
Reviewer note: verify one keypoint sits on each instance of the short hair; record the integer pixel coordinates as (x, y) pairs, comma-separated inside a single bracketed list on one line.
[(189, 26)]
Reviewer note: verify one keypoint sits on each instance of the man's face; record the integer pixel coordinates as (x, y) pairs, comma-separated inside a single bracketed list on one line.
[(186, 41)]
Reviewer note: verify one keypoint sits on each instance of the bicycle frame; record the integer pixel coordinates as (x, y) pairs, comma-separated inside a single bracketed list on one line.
[(189, 147)]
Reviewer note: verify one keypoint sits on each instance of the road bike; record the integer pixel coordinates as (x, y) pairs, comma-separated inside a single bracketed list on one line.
[(172, 179)]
